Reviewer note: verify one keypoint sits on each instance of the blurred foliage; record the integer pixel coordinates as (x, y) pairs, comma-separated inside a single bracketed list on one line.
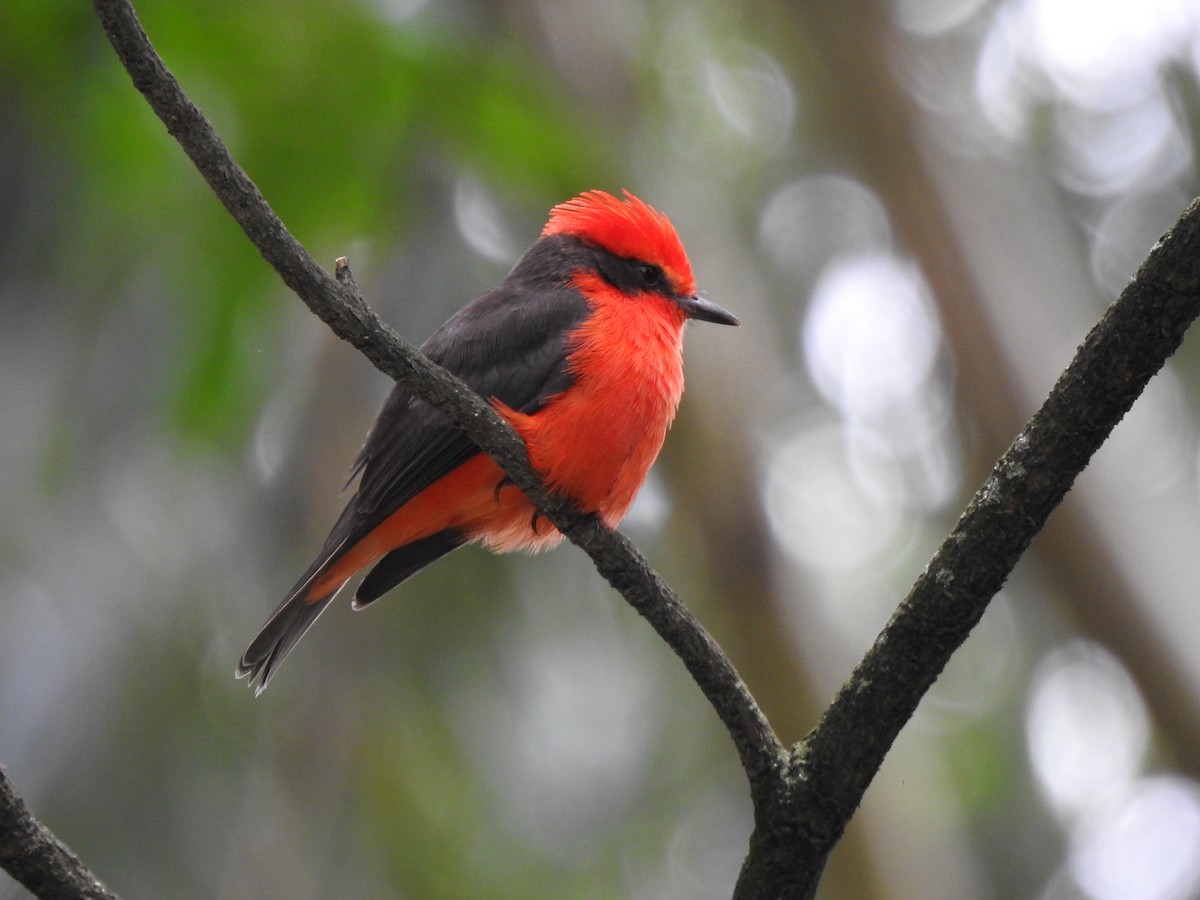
[(330, 110)]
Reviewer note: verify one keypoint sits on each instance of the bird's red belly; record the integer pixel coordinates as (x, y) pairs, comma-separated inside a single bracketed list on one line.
[(594, 443)]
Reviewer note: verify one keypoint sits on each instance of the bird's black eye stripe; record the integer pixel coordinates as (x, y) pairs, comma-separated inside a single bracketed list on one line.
[(629, 275)]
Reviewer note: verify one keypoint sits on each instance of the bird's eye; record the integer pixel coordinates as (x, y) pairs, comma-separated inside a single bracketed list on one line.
[(650, 275)]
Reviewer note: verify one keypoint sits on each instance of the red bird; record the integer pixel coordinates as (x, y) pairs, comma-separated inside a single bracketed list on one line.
[(580, 349)]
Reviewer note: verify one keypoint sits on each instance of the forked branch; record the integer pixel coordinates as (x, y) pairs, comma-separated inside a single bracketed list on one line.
[(802, 800)]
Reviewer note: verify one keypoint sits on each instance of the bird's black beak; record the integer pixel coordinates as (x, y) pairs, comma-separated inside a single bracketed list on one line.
[(704, 309)]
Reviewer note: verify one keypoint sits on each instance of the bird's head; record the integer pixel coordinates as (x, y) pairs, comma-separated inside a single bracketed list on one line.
[(649, 251)]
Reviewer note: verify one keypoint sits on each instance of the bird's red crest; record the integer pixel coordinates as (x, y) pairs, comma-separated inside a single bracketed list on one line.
[(628, 228)]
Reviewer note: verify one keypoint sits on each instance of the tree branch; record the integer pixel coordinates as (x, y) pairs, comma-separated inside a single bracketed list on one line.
[(832, 767), (31, 854)]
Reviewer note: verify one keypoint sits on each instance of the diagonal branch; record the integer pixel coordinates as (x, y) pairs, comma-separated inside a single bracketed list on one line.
[(343, 309), (1110, 370), (32, 855), (835, 763)]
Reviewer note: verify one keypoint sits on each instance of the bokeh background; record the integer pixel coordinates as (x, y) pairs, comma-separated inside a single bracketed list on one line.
[(917, 208)]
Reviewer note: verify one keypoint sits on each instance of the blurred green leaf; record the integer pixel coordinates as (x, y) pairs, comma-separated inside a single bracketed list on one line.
[(328, 107)]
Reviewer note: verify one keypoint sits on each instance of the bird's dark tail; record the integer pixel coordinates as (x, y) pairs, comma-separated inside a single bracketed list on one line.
[(279, 635), (296, 614)]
